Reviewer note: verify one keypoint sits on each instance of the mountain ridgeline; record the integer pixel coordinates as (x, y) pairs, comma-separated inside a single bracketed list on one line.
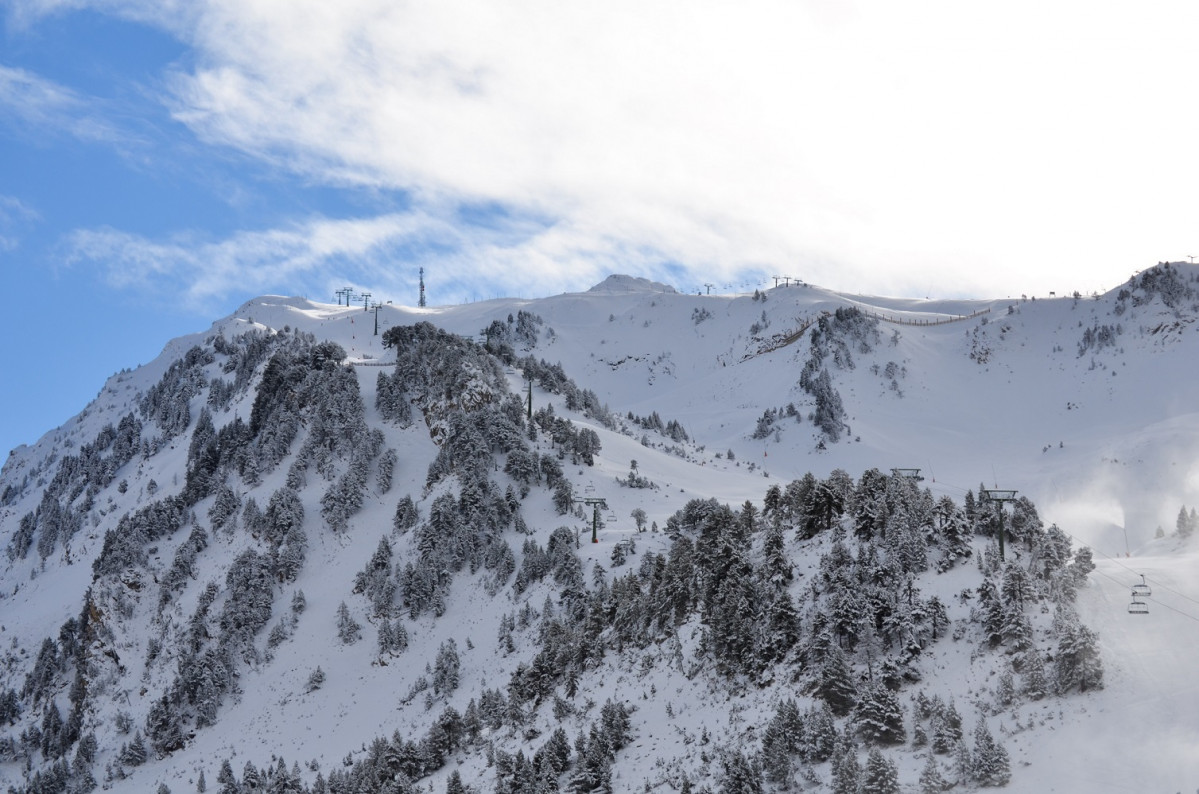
[(274, 568)]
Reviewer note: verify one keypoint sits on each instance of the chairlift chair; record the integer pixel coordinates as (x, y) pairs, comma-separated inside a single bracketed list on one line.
[(1141, 590), (1136, 607)]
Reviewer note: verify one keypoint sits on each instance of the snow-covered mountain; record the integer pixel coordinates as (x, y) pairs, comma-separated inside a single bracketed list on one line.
[(337, 548)]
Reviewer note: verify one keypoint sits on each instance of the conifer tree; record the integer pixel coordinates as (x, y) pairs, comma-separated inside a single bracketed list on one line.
[(847, 773), (946, 726), (880, 776), (931, 779), (878, 716), (741, 775), (1077, 663), (993, 613), (348, 629), (819, 736), (445, 669), (1183, 525), (1035, 684), (963, 762), (835, 685), (991, 765), (226, 779), (1016, 629), (780, 741)]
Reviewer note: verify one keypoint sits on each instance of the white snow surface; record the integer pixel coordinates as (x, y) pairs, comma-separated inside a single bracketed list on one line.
[(1103, 443)]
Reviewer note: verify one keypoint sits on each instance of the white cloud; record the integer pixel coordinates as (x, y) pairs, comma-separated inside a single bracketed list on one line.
[(49, 108), (320, 255), (15, 217), (943, 147)]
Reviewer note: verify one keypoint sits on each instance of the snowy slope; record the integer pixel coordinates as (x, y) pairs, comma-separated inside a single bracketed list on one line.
[(990, 392)]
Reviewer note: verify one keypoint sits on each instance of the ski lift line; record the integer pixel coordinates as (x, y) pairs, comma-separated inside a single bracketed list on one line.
[(1158, 602), (1117, 561), (1175, 609), (1159, 584)]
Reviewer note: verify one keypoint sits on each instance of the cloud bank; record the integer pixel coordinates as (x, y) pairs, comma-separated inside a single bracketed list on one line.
[(942, 149)]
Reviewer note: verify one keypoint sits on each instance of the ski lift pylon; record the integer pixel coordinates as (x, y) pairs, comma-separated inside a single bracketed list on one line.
[(1141, 590)]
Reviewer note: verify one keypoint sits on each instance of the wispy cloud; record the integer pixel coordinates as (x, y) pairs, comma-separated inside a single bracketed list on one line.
[(295, 259), (520, 257), (15, 217), (43, 107)]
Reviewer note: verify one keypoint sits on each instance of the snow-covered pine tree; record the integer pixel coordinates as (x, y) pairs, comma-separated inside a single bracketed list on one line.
[(846, 771), (880, 776), (931, 779), (446, 668), (878, 717), (1036, 686), (1077, 663), (348, 630), (835, 685), (740, 774), (819, 734), (991, 764)]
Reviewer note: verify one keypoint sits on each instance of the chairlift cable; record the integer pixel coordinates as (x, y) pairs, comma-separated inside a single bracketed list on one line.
[(1156, 582), (1155, 601)]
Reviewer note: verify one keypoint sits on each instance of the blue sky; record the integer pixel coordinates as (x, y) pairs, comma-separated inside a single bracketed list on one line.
[(162, 162)]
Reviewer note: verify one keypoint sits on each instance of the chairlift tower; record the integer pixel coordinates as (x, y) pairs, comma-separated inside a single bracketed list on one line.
[(376, 307), (709, 287), (1000, 496), (597, 503), (421, 301), (366, 301), (345, 292)]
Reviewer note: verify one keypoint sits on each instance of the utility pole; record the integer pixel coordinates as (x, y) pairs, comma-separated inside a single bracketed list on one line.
[(366, 300), (1000, 496), (596, 503)]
